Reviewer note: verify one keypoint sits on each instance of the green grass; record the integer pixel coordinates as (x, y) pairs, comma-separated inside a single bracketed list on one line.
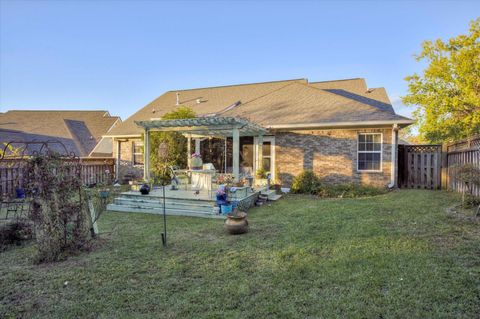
[(398, 255)]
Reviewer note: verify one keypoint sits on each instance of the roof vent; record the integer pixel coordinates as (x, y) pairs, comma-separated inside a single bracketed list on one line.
[(178, 98)]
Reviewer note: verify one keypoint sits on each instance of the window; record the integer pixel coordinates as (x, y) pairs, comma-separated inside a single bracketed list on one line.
[(137, 153), (267, 156), (369, 152)]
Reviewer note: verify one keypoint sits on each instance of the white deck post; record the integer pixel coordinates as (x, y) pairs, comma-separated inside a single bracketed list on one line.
[(197, 145), (393, 172), (225, 156), (236, 154), (146, 156), (259, 152), (189, 149), (117, 163)]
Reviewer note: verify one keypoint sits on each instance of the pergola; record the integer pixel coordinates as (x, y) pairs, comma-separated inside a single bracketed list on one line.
[(220, 127)]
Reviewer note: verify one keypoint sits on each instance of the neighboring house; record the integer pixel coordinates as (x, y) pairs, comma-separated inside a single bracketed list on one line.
[(341, 130), (81, 132)]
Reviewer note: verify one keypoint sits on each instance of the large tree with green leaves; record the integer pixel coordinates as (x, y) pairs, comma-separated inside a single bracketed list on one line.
[(176, 142), (447, 93)]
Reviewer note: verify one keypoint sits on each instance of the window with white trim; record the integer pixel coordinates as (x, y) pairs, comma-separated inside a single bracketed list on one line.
[(369, 152), (137, 148)]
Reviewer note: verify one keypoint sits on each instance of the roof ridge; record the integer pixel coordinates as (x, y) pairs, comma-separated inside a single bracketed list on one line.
[(337, 80), (241, 84), (57, 111)]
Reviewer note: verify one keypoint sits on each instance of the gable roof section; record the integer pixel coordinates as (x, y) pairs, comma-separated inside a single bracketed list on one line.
[(79, 131), (272, 103), (300, 103), (212, 100)]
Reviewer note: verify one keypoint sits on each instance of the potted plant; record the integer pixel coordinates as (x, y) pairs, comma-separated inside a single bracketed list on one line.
[(225, 179), (196, 161), (261, 177)]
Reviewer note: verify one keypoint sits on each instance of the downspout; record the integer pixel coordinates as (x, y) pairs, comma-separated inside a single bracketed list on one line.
[(394, 150)]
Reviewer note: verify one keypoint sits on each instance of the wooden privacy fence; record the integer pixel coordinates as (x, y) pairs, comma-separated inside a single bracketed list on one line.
[(460, 153), (419, 166), (93, 170)]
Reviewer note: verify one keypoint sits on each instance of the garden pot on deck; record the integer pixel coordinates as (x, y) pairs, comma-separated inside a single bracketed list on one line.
[(236, 223), (196, 163), (145, 189)]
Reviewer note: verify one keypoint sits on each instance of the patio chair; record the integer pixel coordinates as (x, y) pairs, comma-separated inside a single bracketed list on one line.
[(16, 208)]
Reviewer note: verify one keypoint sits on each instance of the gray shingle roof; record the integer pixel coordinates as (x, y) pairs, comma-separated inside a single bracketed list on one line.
[(272, 103), (79, 131)]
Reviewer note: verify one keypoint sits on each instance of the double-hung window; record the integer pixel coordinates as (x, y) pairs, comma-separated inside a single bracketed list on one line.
[(137, 153), (369, 153)]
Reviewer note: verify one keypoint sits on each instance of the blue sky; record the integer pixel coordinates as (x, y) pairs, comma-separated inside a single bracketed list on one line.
[(120, 55)]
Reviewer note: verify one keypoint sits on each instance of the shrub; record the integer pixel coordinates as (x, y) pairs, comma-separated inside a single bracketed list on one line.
[(261, 173), (469, 175), (349, 191), (306, 183), (176, 143), (58, 209), (14, 233)]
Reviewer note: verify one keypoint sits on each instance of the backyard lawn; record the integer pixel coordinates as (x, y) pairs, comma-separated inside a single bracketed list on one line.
[(398, 255)]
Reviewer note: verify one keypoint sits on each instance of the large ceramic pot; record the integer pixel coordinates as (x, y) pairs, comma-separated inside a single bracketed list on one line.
[(196, 163), (236, 223)]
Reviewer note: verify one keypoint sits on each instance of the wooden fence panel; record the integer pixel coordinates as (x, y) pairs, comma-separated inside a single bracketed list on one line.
[(93, 171), (421, 166), (460, 153)]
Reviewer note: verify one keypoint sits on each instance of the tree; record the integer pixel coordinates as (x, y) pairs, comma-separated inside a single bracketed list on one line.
[(448, 92), (177, 144), (8, 151)]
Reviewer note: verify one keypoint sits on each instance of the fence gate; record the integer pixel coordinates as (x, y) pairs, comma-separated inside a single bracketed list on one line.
[(419, 166)]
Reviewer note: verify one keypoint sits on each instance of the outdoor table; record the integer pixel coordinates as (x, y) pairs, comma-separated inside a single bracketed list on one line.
[(202, 179)]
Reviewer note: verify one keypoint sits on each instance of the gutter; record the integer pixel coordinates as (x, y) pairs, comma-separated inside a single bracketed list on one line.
[(307, 126), (123, 136)]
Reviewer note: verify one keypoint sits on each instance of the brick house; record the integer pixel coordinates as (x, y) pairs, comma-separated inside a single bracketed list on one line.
[(342, 130)]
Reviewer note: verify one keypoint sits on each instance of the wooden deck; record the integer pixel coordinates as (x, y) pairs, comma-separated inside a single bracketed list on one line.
[(177, 202)]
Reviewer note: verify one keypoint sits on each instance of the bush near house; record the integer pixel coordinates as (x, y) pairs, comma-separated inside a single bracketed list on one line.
[(309, 183), (349, 191)]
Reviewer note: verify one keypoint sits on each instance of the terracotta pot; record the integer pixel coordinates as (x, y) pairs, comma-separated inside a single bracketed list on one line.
[(237, 224)]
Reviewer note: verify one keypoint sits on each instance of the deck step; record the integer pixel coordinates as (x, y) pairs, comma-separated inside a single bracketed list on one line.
[(170, 204), (169, 211), (268, 192), (271, 194), (274, 197)]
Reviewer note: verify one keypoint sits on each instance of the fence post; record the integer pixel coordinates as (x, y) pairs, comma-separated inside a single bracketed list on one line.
[(444, 167)]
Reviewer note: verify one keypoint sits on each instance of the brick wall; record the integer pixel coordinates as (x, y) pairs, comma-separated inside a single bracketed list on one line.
[(126, 159), (332, 154)]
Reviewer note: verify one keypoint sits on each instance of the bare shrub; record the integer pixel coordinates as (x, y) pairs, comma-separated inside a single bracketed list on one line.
[(58, 208)]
